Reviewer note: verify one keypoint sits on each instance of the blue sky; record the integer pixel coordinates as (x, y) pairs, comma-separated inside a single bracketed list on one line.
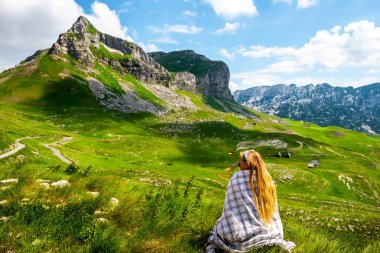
[(263, 42)]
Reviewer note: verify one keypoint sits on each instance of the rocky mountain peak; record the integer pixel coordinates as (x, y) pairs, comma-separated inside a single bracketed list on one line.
[(89, 46), (81, 26)]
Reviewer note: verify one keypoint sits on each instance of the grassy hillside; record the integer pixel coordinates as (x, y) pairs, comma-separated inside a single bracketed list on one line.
[(168, 174)]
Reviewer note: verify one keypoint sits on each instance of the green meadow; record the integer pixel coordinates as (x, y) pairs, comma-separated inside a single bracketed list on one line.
[(142, 183)]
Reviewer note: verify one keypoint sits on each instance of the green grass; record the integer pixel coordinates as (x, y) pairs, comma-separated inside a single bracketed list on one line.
[(103, 53), (143, 92), (107, 77), (168, 172)]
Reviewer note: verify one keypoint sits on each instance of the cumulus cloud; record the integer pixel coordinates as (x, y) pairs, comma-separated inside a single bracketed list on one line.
[(149, 47), (177, 28), (343, 52), (229, 28), (303, 4), (256, 78), (225, 53), (355, 45), (27, 26), (232, 9), (107, 20), (233, 86)]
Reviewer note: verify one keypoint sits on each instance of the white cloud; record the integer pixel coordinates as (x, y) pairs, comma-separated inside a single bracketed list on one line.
[(257, 78), (355, 45), (283, 1), (229, 28), (373, 71), (189, 13), (303, 4), (149, 47), (232, 9), (107, 21), (226, 54), (27, 26), (166, 40), (185, 29), (233, 86)]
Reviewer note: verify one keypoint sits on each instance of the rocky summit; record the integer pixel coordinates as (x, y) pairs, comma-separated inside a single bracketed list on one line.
[(357, 109), (212, 77), (86, 44)]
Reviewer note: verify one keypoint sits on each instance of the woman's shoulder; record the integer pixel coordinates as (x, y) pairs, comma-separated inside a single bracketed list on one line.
[(242, 173)]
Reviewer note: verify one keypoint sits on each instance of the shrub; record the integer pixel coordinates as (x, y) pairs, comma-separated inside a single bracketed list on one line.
[(72, 169)]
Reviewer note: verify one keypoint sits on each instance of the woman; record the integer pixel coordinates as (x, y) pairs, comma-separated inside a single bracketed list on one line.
[(250, 216)]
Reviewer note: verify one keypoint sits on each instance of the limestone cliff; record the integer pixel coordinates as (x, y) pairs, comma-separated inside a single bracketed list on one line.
[(212, 77)]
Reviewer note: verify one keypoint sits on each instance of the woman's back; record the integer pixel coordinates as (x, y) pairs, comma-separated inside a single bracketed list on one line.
[(244, 224), (240, 220)]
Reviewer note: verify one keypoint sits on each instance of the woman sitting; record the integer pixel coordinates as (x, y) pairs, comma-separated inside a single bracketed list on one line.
[(250, 216)]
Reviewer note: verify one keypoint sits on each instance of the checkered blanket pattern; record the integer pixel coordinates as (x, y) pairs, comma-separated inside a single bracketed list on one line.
[(240, 229)]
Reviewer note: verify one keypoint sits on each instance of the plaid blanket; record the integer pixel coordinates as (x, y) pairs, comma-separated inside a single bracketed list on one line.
[(240, 229)]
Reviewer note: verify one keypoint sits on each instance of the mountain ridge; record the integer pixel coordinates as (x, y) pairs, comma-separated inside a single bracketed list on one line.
[(353, 108)]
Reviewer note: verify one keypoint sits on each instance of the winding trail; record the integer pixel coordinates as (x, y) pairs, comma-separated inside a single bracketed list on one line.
[(339, 154), (18, 147), (56, 152)]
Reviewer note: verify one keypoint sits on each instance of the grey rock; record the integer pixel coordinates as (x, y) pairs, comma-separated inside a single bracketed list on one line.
[(212, 77), (128, 102)]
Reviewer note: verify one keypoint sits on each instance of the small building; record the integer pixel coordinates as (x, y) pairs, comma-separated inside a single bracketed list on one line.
[(288, 155), (279, 154), (313, 164)]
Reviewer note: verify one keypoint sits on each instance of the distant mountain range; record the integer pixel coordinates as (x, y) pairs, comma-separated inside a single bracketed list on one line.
[(353, 108)]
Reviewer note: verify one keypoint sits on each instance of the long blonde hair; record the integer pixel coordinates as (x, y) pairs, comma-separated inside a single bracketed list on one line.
[(265, 202)]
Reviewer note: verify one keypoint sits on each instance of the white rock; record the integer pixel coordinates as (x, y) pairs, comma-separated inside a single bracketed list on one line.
[(94, 194), (60, 183), (103, 219), (97, 212), (11, 180), (25, 200), (3, 202), (4, 218), (114, 202)]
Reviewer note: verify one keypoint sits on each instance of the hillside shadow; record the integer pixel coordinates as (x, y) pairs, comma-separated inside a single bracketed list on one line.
[(214, 143), (225, 105)]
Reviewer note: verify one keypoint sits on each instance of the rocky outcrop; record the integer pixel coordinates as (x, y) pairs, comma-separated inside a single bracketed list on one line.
[(85, 44), (184, 81), (128, 102), (212, 77)]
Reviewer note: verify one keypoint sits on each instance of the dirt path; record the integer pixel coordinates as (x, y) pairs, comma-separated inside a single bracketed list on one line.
[(18, 147), (339, 154), (56, 152)]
